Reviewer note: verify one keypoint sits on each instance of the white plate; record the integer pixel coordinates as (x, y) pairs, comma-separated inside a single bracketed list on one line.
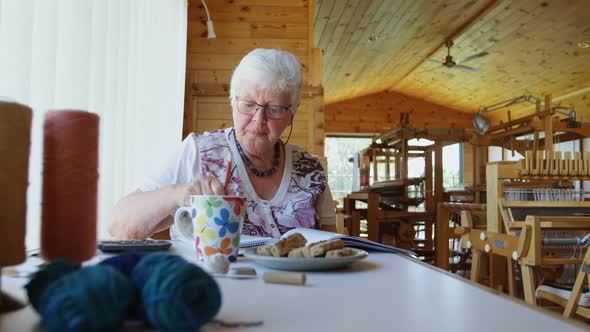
[(305, 264)]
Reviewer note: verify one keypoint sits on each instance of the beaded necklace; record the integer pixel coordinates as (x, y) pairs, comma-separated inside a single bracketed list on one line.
[(250, 165)]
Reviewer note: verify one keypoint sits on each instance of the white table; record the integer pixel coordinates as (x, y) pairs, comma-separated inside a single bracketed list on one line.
[(384, 292)]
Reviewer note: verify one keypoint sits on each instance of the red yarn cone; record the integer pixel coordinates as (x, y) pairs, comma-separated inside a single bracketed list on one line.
[(70, 181)]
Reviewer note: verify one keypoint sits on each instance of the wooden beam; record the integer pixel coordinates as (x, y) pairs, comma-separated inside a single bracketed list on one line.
[(428, 197), (315, 73), (310, 26), (583, 131), (438, 174), (511, 123), (494, 191), (404, 157), (441, 237), (372, 212), (548, 127), (572, 94)]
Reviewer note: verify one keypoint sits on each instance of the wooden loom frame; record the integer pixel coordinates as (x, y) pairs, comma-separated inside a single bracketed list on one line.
[(397, 140), (500, 236)]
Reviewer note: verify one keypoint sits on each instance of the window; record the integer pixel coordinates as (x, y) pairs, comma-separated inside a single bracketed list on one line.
[(453, 165), (338, 150)]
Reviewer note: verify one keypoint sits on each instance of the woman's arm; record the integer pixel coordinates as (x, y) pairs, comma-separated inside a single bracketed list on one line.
[(147, 210), (326, 211), (141, 214)]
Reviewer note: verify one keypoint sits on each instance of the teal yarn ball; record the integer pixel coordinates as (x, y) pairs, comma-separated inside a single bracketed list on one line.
[(125, 263), (45, 277), (95, 298), (176, 295)]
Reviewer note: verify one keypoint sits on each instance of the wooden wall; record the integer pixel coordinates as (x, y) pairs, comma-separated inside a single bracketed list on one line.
[(241, 26), (380, 112)]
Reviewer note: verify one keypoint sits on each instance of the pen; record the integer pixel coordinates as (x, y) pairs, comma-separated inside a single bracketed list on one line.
[(227, 174)]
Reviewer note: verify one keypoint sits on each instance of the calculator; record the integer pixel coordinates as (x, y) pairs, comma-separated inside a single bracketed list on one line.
[(118, 246)]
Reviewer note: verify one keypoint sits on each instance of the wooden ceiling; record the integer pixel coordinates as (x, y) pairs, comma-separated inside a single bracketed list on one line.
[(535, 47)]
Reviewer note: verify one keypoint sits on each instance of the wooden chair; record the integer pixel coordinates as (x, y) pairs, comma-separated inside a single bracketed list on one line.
[(571, 304), (582, 277), (340, 226)]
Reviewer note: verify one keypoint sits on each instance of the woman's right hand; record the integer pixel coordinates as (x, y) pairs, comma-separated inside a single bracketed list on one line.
[(203, 185)]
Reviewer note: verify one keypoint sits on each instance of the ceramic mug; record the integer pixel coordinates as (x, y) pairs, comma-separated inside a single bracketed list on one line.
[(214, 223)]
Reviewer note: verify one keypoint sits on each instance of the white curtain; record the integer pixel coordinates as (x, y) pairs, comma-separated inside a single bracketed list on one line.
[(124, 60)]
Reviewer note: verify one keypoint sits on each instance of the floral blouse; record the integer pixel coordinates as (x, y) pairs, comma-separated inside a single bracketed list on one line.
[(302, 200)]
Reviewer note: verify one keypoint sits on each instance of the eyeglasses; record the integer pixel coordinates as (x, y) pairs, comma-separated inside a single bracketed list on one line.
[(275, 112)]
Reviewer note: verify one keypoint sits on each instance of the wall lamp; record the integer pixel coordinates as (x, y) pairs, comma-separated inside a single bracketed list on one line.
[(210, 30)]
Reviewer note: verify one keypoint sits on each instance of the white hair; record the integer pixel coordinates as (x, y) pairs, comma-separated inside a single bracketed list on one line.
[(269, 68)]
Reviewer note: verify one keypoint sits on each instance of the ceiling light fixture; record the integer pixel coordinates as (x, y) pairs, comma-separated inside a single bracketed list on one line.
[(480, 123), (210, 30), (583, 44)]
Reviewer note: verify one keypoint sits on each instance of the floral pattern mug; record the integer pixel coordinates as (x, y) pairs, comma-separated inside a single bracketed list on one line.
[(213, 223)]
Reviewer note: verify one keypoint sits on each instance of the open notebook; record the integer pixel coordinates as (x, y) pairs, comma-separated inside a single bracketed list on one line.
[(249, 241), (314, 235)]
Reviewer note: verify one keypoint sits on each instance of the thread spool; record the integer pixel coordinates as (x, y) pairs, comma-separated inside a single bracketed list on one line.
[(289, 278), (70, 180), (242, 271), (15, 142)]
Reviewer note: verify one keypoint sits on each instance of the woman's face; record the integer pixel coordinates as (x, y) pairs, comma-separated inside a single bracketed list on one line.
[(257, 133)]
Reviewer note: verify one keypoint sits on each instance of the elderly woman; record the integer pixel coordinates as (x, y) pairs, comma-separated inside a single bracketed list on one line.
[(284, 187)]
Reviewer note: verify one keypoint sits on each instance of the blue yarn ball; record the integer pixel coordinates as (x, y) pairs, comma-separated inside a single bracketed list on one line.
[(125, 263), (95, 298), (176, 295), (45, 277)]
